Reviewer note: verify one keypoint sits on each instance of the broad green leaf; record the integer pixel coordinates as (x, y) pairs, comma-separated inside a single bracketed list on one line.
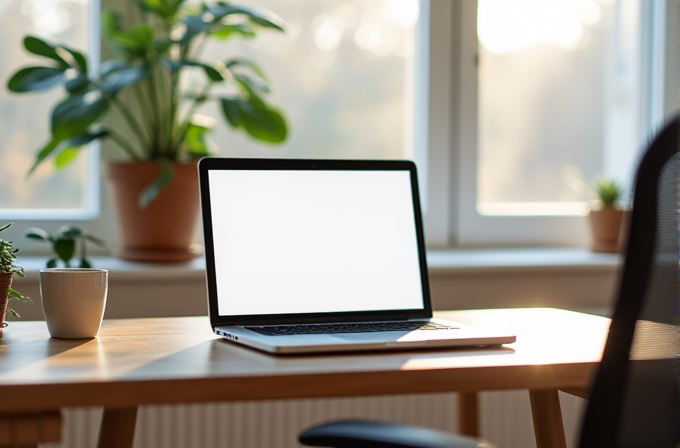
[(32, 79), (43, 153), (232, 111), (38, 46), (74, 115), (164, 177), (35, 233), (251, 84), (73, 142), (119, 79), (51, 263), (195, 25), (225, 32), (164, 9), (195, 140), (260, 17), (161, 45), (143, 34), (72, 232), (257, 119), (267, 125), (78, 85), (135, 41), (85, 263), (214, 73), (65, 157), (71, 148), (78, 58), (110, 23), (65, 248)]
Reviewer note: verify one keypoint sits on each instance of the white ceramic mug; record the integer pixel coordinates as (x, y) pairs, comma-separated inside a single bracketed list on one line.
[(73, 301)]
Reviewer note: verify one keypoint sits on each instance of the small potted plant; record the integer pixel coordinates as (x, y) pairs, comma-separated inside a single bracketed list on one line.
[(606, 216), (8, 267), (65, 244)]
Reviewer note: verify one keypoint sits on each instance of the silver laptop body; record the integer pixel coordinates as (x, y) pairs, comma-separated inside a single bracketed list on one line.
[(307, 256)]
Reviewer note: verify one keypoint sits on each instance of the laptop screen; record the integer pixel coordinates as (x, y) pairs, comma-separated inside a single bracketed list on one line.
[(311, 241)]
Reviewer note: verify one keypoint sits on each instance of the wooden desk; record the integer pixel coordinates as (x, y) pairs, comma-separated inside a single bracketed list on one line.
[(178, 360)]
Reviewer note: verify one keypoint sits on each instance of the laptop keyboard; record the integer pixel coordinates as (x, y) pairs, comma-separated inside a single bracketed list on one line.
[(362, 327)]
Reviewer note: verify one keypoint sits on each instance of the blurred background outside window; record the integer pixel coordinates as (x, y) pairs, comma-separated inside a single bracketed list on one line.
[(343, 74), (24, 119), (562, 99)]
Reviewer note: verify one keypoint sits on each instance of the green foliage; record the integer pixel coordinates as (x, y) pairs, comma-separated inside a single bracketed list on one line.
[(159, 116), (65, 244), (8, 256), (608, 191)]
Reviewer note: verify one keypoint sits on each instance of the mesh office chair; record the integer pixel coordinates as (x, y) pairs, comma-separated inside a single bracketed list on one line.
[(635, 397)]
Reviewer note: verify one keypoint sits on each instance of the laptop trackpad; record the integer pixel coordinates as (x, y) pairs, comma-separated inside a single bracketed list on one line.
[(385, 336)]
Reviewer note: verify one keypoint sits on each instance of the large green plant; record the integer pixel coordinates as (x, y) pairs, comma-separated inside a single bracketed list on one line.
[(144, 84)]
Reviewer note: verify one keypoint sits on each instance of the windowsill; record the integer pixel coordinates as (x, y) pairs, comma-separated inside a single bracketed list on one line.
[(520, 260), (571, 278), (440, 261)]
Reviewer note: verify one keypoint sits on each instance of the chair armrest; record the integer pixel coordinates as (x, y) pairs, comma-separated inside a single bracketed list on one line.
[(371, 434)]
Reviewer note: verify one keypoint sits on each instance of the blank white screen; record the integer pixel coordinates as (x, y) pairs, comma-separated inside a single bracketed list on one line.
[(314, 241)]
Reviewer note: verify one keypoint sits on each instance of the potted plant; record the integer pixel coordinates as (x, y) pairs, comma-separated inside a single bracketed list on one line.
[(159, 129), (65, 244), (8, 267), (606, 217)]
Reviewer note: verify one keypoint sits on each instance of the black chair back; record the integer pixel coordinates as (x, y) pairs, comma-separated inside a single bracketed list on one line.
[(635, 398)]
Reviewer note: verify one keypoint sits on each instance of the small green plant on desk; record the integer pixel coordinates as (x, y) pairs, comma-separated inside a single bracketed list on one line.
[(8, 267), (65, 243)]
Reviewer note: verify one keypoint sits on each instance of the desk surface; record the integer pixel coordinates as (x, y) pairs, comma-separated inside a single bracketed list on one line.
[(179, 360)]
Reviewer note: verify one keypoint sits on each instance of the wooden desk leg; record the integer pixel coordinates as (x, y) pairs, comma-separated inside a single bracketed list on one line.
[(468, 413), (547, 416), (118, 428), (28, 429)]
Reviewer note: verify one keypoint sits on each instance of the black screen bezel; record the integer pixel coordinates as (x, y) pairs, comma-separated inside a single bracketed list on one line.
[(215, 163)]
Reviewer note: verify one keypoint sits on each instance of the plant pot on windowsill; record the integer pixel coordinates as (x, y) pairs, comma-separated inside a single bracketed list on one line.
[(162, 230), (606, 225)]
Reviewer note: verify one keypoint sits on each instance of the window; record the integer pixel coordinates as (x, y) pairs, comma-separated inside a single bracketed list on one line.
[(471, 214), (560, 101), (72, 193), (377, 85)]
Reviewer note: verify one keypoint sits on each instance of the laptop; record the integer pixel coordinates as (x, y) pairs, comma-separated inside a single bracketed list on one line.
[(318, 256)]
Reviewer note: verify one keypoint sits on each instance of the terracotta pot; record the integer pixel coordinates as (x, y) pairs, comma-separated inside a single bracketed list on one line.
[(606, 228), (5, 283), (163, 230)]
